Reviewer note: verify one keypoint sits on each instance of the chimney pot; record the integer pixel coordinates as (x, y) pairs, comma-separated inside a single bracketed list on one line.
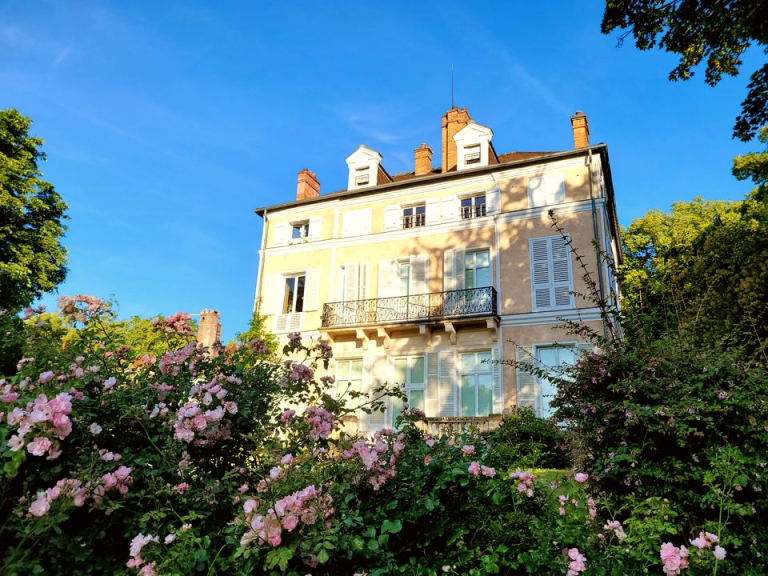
[(423, 163), (308, 185), (580, 130)]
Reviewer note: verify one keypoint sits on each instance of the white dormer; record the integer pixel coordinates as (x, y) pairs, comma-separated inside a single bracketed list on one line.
[(363, 168), (472, 146)]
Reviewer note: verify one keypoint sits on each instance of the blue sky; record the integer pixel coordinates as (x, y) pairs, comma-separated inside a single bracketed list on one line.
[(166, 123)]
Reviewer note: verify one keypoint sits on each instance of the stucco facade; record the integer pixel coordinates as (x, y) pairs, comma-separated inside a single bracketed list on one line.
[(420, 279)]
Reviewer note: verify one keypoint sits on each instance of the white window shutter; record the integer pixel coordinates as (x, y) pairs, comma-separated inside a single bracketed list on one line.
[(378, 377), (347, 224), (282, 234), (388, 279), (546, 190), (362, 283), (541, 274), (392, 217), (458, 271), (446, 401), (493, 201), (433, 385), (314, 228), (450, 208), (351, 286), (433, 211), (272, 295), (526, 382), (419, 273), (311, 290), (498, 392), (449, 263)]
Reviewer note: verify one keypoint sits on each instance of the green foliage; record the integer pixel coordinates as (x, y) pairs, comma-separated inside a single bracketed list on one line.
[(717, 32), (528, 442), (257, 329), (32, 259)]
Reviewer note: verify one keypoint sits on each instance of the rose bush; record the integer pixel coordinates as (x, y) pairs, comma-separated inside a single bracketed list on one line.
[(123, 462)]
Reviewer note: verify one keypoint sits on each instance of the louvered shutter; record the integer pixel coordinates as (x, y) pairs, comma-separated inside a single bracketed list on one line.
[(550, 273), (433, 211), (449, 263), (446, 397), (493, 201), (282, 234), (561, 273), (314, 228), (387, 278), (450, 208), (458, 270), (377, 378), (362, 283), (433, 385), (351, 286), (419, 273), (526, 382), (498, 393), (311, 290), (392, 217), (272, 294)]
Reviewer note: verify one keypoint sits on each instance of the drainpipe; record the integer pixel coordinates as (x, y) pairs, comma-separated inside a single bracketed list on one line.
[(600, 282), (260, 280)]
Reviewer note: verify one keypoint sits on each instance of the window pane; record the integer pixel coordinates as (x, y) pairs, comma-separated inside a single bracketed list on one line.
[(467, 363), (483, 259), (479, 200), (288, 300), (482, 277), (484, 395), (408, 212), (469, 279), (299, 294), (466, 202), (421, 209), (484, 361), (469, 260), (296, 232), (405, 279), (397, 406), (342, 369), (401, 365), (417, 399), (417, 370), (356, 369), (468, 396)]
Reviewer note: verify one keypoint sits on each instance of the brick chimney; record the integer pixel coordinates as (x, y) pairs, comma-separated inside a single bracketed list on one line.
[(209, 330), (308, 186), (453, 121), (580, 130), (423, 159)]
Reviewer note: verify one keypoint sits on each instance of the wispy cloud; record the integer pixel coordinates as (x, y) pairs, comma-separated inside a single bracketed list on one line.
[(60, 57)]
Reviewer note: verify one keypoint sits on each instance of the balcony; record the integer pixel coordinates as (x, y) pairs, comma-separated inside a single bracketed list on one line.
[(473, 303)]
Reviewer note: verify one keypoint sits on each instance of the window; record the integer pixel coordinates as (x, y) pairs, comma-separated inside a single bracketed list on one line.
[(472, 154), (409, 373), (414, 216), (553, 359), (477, 269), (293, 300), (362, 176), (349, 378), (404, 273), (473, 207), (299, 231), (476, 385)]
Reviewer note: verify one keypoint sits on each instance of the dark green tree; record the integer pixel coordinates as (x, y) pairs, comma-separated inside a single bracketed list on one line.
[(717, 32), (32, 259)]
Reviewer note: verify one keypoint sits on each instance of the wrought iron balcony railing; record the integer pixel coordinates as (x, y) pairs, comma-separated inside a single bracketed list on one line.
[(416, 308)]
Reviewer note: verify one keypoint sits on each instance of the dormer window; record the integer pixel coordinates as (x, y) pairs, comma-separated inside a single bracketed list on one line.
[(473, 146), (364, 168), (414, 216), (362, 176), (472, 154)]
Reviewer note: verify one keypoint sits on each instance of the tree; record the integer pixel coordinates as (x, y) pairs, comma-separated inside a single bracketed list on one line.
[(32, 259), (715, 31)]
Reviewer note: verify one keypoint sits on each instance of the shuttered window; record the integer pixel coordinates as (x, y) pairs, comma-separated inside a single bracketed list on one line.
[(476, 388), (410, 376), (550, 273)]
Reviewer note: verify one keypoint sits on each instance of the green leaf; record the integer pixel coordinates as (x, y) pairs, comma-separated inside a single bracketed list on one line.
[(373, 545)]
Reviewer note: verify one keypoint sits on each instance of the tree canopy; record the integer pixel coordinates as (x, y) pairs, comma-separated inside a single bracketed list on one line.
[(715, 31), (32, 259)]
